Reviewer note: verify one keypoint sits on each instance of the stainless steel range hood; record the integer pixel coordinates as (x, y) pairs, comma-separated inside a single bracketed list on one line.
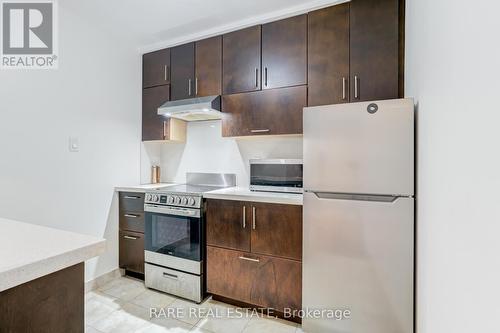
[(193, 109)]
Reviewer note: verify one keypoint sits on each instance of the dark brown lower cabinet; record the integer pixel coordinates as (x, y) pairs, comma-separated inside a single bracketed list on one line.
[(266, 112), (263, 281), (132, 251)]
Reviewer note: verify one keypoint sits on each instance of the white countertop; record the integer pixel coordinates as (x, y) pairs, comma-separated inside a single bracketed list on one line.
[(143, 188), (244, 194), (29, 251)]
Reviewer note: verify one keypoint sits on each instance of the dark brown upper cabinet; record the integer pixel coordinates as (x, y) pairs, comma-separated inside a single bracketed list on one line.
[(154, 126), (275, 111), (182, 82), (208, 81), (241, 60), (284, 53), (156, 68), (328, 55), (375, 49)]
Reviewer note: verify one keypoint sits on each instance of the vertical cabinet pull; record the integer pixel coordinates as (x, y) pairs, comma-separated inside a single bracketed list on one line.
[(244, 217), (356, 86), (189, 87), (253, 217), (196, 86), (165, 69), (256, 78), (265, 76), (164, 130), (343, 88)]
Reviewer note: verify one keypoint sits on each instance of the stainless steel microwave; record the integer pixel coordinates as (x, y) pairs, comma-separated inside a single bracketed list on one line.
[(276, 175)]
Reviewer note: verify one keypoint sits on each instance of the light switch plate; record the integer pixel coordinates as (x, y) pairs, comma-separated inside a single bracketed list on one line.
[(74, 144)]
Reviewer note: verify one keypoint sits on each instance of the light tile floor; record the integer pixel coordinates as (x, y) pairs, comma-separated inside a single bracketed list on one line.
[(123, 306)]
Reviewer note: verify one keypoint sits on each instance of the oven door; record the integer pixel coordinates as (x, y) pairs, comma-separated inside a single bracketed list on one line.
[(173, 231)]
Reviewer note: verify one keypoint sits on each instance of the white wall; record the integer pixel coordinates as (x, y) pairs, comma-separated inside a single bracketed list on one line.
[(95, 95), (453, 65), (207, 151)]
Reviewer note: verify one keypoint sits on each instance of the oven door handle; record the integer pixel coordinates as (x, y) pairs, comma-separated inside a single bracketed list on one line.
[(186, 212)]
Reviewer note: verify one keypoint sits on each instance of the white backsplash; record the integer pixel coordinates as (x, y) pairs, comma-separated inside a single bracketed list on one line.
[(207, 151)]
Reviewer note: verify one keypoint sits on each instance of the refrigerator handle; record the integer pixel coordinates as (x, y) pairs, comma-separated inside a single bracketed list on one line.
[(356, 197)]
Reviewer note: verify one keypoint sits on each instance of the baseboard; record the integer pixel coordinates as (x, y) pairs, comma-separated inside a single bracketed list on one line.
[(103, 279)]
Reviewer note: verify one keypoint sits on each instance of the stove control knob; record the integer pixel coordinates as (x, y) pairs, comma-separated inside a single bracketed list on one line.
[(156, 198), (177, 200), (148, 197), (184, 201), (170, 199), (191, 202)]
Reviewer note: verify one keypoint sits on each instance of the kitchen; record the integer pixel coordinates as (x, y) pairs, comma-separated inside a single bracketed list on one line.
[(181, 175)]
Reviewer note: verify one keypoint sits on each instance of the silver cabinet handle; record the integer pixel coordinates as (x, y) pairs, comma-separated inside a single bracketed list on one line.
[(189, 87), (249, 259), (165, 70), (256, 78), (244, 217), (260, 130), (131, 215), (343, 88), (164, 130), (253, 217), (130, 237), (131, 197), (355, 86), (265, 76), (170, 276), (196, 86)]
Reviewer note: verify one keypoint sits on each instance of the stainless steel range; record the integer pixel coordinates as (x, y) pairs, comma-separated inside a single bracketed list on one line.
[(175, 235)]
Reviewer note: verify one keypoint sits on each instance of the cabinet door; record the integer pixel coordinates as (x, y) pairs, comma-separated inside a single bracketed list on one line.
[(182, 72), (276, 111), (156, 68), (284, 53), (276, 282), (228, 275), (277, 230), (227, 224), (154, 126), (241, 60), (132, 251), (374, 43), (328, 55), (208, 81)]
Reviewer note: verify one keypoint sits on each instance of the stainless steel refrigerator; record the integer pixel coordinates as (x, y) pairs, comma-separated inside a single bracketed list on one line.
[(359, 217)]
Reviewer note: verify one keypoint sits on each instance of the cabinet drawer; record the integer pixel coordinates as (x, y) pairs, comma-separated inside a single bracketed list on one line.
[(174, 282), (132, 221), (256, 279), (132, 251), (131, 202)]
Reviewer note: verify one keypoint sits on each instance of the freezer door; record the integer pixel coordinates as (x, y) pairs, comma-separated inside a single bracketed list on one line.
[(358, 256), (350, 148)]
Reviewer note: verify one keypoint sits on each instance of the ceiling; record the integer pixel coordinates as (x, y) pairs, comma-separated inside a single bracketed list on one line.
[(152, 24)]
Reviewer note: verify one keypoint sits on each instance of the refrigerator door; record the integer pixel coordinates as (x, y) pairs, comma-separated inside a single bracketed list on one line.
[(363, 147), (358, 256)]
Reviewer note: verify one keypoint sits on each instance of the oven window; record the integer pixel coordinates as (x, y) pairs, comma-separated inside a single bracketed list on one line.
[(283, 175), (173, 235)]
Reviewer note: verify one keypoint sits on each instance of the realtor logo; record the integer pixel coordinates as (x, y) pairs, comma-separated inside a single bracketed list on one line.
[(28, 34)]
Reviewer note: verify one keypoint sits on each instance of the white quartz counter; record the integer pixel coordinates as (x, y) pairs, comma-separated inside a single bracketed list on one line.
[(143, 188), (244, 194), (29, 251)]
